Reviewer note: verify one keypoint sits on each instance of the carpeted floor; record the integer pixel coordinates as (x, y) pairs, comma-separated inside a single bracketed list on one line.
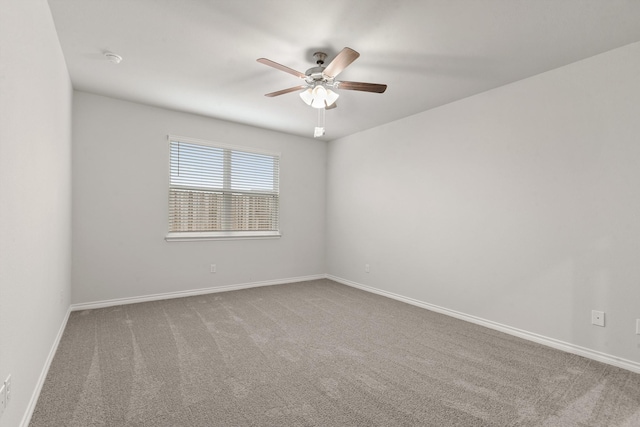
[(316, 354)]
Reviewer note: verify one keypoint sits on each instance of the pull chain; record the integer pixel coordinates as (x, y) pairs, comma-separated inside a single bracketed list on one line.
[(319, 130)]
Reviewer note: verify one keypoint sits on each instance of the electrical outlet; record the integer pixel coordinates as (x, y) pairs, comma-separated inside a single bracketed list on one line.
[(638, 326), (213, 268), (366, 268), (597, 317)]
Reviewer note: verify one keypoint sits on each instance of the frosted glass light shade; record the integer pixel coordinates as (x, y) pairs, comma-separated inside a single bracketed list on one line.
[(307, 96), (331, 97), (319, 96)]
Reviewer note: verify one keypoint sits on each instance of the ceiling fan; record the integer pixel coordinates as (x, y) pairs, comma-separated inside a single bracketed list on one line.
[(320, 80)]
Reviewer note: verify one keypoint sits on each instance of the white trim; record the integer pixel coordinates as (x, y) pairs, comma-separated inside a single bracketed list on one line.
[(31, 406), (221, 235), (530, 336), (189, 293)]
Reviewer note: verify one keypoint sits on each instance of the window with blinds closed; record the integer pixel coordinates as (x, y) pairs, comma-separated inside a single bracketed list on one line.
[(222, 191)]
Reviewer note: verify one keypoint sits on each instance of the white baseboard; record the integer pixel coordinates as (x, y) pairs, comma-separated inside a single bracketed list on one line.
[(540, 339), (26, 418), (189, 293)]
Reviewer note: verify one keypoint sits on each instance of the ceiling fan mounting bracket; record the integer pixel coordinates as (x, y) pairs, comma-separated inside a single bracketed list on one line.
[(319, 57)]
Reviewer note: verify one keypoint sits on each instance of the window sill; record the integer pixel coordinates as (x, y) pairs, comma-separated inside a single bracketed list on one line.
[(222, 235)]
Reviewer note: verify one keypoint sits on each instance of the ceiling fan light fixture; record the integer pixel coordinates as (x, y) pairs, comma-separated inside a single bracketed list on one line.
[(318, 96)]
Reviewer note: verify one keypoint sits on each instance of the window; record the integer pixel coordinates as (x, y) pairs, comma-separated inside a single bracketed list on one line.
[(219, 191)]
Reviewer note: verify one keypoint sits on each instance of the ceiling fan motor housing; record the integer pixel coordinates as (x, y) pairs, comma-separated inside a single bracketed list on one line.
[(315, 74)]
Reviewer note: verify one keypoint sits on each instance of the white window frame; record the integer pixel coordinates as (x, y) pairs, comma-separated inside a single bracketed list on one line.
[(174, 236)]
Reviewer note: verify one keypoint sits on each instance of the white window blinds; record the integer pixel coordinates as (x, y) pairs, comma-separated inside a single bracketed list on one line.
[(225, 191)]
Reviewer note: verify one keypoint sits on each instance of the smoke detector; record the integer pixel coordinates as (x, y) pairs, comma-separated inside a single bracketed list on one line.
[(112, 57)]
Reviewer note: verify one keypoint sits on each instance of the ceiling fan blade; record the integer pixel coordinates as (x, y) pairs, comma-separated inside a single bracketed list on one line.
[(340, 62), (331, 107), (364, 87), (280, 67), (283, 91)]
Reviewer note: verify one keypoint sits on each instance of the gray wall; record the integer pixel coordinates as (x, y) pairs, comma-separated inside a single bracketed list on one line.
[(35, 194), (120, 205), (520, 205)]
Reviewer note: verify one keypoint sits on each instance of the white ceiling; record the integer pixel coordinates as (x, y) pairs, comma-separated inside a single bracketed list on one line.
[(199, 56)]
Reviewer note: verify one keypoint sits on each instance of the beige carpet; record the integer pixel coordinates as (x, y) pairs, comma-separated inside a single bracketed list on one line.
[(316, 354)]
